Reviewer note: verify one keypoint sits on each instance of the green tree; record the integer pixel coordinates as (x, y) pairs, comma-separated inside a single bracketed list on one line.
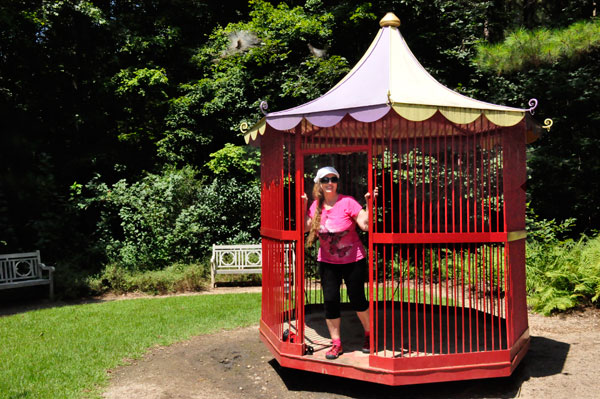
[(266, 58), (85, 86), (560, 67)]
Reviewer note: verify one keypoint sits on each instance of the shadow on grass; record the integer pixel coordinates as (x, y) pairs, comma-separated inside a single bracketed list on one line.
[(546, 357), (31, 298), (21, 300), (242, 280)]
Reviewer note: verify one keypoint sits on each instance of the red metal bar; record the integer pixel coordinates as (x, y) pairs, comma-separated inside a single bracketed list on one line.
[(422, 177), (482, 184), (401, 277), (489, 182), (460, 180), (424, 302), (376, 278), (474, 184), (431, 295), (447, 304), (462, 301), (391, 155), (356, 148), (470, 302), (492, 308), (299, 242), (499, 299), (438, 238), (417, 294), (385, 153), (415, 183), (384, 301), (498, 176), (437, 159), (445, 179), (468, 188), (452, 152), (379, 171), (383, 193), (372, 209), (408, 250), (408, 179), (439, 264), (483, 294), (393, 333), (289, 185), (400, 192), (282, 235), (373, 299), (430, 167), (476, 253), (455, 296)]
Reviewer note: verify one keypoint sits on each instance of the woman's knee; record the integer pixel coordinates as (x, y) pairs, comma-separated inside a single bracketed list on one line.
[(358, 301), (332, 309)]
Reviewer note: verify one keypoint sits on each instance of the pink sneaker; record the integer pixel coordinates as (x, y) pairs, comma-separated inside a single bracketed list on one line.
[(366, 348), (334, 352)]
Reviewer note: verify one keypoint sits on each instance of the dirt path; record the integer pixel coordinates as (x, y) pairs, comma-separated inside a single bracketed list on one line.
[(561, 363)]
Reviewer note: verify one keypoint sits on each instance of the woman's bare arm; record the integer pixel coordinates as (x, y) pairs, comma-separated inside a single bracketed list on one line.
[(362, 219)]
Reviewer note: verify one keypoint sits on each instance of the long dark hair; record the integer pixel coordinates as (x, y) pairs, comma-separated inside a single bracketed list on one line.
[(315, 224)]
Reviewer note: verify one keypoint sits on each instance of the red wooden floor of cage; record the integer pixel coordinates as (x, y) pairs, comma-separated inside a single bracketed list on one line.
[(405, 368)]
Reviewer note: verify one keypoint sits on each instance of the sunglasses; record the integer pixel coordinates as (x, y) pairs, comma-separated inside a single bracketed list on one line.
[(325, 180)]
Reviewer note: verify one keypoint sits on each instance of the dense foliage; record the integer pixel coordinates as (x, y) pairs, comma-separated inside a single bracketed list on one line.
[(171, 217), (121, 141), (562, 273), (560, 67)]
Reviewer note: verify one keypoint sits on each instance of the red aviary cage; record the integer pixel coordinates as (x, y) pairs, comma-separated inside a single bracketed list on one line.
[(446, 248)]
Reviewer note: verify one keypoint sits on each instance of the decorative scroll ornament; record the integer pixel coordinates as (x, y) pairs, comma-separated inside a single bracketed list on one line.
[(244, 127), (263, 107), (547, 124), (533, 103)]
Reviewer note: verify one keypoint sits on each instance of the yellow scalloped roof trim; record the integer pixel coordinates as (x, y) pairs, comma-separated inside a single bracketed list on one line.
[(260, 127), (504, 118), (461, 116), (419, 113), (415, 113)]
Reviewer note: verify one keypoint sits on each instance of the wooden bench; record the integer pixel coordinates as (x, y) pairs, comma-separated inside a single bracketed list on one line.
[(25, 270), (242, 259), (235, 259)]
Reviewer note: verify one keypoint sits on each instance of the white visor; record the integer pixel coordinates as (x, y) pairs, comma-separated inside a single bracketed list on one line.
[(327, 170)]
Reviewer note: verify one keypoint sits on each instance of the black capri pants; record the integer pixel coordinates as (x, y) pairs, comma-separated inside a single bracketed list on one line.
[(331, 280)]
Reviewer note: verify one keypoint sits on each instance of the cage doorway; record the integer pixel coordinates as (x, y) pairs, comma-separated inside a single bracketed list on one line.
[(354, 181)]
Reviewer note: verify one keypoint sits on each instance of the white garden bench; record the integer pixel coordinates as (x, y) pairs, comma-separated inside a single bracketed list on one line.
[(235, 259), (25, 270), (239, 259)]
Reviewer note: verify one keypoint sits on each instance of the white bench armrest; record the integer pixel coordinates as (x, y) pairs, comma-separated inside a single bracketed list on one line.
[(49, 268)]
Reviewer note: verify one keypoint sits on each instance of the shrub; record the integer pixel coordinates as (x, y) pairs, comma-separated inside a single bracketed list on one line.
[(171, 217), (175, 278), (561, 273)]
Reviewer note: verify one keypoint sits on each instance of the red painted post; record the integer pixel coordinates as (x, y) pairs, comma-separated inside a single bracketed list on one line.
[(515, 177)]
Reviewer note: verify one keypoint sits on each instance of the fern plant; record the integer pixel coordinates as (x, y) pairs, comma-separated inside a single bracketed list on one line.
[(562, 275)]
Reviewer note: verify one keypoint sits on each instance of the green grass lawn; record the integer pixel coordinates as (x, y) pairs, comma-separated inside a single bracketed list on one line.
[(408, 295), (64, 352)]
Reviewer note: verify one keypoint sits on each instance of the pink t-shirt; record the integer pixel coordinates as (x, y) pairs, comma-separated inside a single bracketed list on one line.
[(338, 237)]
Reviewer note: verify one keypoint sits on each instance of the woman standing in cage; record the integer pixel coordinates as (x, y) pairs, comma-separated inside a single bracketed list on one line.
[(332, 218)]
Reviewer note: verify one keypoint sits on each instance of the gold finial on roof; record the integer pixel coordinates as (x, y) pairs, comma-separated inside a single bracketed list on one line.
[(390, 19)]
